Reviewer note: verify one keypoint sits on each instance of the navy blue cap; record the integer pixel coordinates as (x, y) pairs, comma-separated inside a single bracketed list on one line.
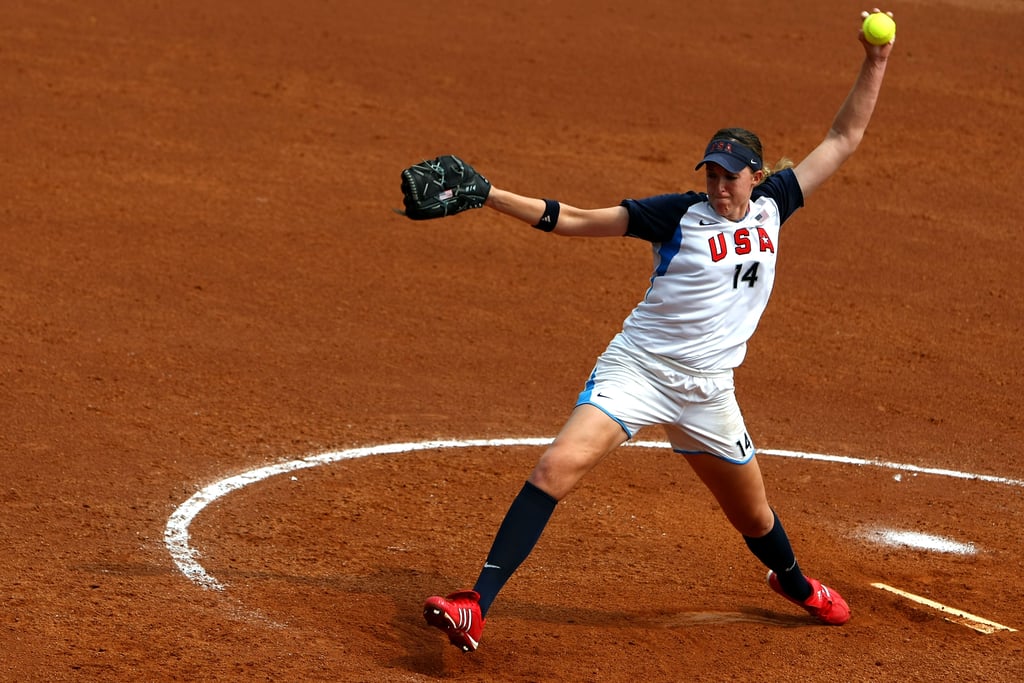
[(730, 155)]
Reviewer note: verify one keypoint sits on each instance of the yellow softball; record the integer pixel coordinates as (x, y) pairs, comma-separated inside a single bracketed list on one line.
[(879, 28)]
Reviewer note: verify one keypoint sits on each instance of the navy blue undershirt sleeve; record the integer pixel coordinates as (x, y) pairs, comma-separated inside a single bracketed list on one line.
[(656, 219)]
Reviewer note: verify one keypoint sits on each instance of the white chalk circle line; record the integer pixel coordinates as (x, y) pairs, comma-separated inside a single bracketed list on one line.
[(185, 557)]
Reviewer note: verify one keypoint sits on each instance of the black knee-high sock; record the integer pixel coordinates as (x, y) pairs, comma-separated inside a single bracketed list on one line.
[(775, 552), (519, 532)]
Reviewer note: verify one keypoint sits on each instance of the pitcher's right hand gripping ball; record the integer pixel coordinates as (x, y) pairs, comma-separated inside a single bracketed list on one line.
[(442, 187)]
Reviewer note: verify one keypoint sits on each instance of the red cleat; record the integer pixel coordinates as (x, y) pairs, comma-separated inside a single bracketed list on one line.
[(825, 604), (458, 615)]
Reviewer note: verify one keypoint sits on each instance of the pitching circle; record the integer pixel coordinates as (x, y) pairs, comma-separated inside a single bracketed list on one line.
[(186, 558)]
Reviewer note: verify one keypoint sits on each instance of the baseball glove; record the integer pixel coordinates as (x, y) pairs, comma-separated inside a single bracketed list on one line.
[(442, 187)]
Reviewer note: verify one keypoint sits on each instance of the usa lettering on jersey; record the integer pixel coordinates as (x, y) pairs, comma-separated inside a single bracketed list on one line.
[(741, 243)]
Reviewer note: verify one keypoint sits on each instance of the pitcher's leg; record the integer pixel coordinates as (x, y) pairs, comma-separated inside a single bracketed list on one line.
[(587, 437), (739, 490)]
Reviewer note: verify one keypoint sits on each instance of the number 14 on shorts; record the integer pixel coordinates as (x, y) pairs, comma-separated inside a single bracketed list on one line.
[(745, 447)]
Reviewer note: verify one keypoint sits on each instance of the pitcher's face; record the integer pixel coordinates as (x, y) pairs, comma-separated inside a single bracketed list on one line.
[(729, 193)]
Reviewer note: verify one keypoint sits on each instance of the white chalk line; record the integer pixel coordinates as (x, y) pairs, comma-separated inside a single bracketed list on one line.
[(185, 557), (937, 471), (957, 616), (176, 535)]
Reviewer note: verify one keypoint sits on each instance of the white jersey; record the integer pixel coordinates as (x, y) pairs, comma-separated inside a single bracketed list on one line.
[(712, 277)]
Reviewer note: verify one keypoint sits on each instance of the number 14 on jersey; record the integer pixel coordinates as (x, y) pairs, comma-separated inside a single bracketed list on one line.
[(745, 273)]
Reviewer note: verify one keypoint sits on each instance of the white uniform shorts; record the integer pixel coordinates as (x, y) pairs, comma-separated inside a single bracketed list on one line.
[(698, 410)]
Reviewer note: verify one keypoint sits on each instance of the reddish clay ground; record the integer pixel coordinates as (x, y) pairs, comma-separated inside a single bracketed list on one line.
[(202, 275)]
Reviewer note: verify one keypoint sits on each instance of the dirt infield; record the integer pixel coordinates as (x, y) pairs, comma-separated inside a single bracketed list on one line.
[(202, 275)]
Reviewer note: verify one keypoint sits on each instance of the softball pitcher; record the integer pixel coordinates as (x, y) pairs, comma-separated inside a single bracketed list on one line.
[(672, 363)]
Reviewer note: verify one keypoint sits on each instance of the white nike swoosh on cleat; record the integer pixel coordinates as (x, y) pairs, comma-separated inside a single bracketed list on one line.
[(488, 565)]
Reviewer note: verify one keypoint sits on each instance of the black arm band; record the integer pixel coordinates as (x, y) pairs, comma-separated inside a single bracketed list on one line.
[(549, 220)]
